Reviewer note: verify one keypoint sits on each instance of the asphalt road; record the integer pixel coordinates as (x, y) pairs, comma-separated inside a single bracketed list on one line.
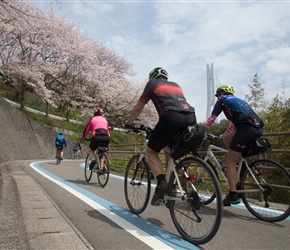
[(100, 219)]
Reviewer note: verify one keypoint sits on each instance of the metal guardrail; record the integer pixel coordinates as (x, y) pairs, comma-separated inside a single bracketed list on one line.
[(117, 154), (17, 105)]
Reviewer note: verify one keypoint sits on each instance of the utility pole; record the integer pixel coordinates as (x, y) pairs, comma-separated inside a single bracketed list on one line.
[(211, 88)]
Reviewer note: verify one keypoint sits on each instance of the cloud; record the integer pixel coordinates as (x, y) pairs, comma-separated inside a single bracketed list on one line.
[(242, 38)]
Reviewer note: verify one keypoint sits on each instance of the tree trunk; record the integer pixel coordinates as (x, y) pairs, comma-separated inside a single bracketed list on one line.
[(46, 110), (22, 94)]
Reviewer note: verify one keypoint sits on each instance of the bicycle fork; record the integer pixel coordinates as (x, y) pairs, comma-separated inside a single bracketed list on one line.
[(192, 197), (137, 166)]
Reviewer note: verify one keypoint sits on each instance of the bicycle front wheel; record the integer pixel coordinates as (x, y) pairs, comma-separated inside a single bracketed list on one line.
[(137, 184), (194, 221), (104, 173), (88, 172), (272, 204), (80, 155), (73, 155)]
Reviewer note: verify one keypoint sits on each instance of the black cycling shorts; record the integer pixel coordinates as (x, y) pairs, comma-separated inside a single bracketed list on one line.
[(243, 135), (99, 139), (167, 126)]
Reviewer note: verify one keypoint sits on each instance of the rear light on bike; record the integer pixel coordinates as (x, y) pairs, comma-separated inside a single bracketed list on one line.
[(262, 173), (191, 177)]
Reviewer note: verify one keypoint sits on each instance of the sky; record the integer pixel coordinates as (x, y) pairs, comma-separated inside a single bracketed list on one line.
[(239, 38)]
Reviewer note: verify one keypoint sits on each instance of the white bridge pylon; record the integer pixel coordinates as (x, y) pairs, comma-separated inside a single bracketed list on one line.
[(211, 88)]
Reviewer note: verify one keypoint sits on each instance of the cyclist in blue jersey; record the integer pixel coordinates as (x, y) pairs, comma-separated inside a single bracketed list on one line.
[(60, 141), (174, 114), (244, 126)]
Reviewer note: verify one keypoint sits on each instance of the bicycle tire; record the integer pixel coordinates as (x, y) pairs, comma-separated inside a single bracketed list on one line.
[(137, 184), (194, 221), (210, 195), (277, 191), (88, 172), (103, 175), (58, 158), (73, 155)]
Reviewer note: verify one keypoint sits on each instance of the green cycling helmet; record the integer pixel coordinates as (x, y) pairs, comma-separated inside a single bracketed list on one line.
[(225, 88), (158, 73)]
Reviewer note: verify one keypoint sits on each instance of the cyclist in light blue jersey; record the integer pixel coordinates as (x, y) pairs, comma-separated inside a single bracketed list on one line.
[(60, 141)]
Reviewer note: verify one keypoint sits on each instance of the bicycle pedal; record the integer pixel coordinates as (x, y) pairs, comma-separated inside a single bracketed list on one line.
[(160, 202)]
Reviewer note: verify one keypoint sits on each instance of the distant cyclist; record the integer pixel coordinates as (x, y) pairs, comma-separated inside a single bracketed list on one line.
[(60, 141), (244, 126), (77, 148), (99, 128)]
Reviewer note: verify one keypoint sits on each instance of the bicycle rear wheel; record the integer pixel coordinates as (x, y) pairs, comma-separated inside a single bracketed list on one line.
[(58, 158), (194, 221), (137, 184), (88, 172), (103, 174), (272, 204)]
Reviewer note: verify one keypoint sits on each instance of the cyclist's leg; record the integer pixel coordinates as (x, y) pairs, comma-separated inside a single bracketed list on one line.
[(56, 151), (237, 143), (92, 154), (231, 161), (160, 138), (61, 153), (104, 139), (165, 129), (157, 141), (228, 138)]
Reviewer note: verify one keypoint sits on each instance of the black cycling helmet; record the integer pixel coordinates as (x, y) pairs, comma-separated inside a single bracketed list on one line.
[(98, 111), (158, 73), (225, 89), (60, 133)]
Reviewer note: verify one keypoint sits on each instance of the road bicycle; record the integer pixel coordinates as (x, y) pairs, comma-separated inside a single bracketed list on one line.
[(262, 184), (77, 155), (58, 157), (195, 222), (102, 173)]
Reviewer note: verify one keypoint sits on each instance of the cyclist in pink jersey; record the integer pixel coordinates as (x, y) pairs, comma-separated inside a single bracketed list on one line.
[(99, 128)]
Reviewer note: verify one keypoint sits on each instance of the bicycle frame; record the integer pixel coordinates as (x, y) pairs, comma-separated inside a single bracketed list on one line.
[(170, 168), (210, 156)]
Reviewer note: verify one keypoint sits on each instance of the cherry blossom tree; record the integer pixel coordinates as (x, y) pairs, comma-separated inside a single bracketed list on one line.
[(62, 66), (19, 56)]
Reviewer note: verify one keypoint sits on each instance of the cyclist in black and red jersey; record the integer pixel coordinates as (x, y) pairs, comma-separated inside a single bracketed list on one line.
[(174, 114), (244, 126)]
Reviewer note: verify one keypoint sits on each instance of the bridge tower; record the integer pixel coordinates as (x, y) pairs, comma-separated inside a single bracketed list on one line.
[(211, 88)]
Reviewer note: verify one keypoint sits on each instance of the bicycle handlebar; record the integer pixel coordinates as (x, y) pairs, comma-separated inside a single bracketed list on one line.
[(141, 128), (213, 137), (138, 130)]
